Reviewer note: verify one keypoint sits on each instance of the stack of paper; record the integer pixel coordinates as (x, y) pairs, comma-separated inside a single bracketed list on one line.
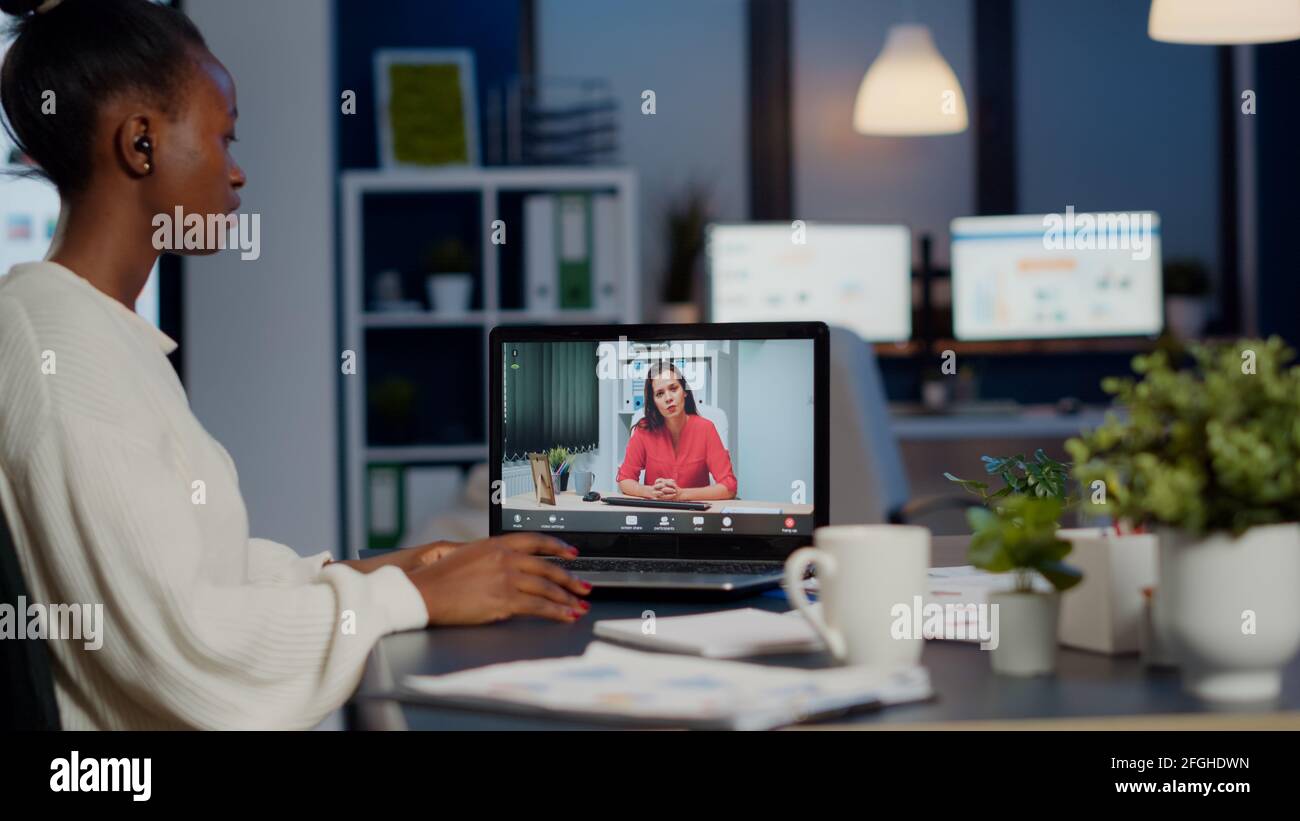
[(727, 634), (955, 588), (609, 683)]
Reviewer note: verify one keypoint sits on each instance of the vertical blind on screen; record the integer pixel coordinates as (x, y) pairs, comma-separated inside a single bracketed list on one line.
[(549, 397)]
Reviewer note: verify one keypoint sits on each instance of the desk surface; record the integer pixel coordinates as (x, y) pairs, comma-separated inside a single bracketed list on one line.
[(1113, 691), (1028, 423)]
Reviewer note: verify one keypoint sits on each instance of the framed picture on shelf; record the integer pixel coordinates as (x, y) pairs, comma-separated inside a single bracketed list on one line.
[(541, 467), (428, 111)]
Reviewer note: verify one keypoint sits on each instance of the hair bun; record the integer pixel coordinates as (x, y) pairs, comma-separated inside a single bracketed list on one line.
[(19, 7)]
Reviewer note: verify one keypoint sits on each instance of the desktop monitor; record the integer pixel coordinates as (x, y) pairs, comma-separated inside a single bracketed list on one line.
[(1051, 276), (751, 457), (29, 208), (854, 276)]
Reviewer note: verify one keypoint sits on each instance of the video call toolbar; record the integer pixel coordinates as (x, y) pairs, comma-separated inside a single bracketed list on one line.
[(654, 521)]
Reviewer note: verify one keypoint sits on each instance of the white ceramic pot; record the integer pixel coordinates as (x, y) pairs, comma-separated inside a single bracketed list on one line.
[(1231, 609), (1026, 640), (1104, 613), (450, 294)]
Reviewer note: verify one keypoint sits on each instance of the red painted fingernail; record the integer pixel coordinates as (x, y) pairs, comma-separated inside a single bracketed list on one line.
[(585, 607), (585, 585), (575, 614)]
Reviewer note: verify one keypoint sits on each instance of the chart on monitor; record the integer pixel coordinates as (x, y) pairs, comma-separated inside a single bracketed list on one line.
[(1052, 276), (29, 208), (854, 276)]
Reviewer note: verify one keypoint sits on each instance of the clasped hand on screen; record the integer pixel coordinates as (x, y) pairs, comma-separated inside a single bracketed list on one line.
[(490, 579), (664, 489)]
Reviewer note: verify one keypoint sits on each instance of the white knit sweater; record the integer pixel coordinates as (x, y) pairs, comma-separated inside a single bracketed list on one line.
[(100, 465)]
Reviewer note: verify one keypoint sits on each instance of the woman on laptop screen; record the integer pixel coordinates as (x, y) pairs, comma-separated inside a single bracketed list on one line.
[(676, 447)]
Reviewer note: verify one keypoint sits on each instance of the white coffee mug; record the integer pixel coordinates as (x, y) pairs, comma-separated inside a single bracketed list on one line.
[(863, 573)]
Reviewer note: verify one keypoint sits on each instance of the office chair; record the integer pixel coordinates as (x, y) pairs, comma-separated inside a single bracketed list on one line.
[(26, 682), (868, 482)]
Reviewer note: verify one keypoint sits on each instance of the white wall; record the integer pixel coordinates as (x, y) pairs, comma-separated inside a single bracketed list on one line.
[(260, 351), (773, 428), (605, 460), (841, 175), (692, 54)]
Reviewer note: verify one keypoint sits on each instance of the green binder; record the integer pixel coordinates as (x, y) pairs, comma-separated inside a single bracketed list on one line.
[(385, 500), (573, 250)]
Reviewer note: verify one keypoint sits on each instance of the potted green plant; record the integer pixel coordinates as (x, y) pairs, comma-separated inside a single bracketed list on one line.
[(1209, 456), (393, 418), (1020, 537), (685, 219), (559, 461), (1105, 612), (1041, 476), (1187, 288), (450, 277)]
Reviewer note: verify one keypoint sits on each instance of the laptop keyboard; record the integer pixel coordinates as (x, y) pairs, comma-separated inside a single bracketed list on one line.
[(669, 566)]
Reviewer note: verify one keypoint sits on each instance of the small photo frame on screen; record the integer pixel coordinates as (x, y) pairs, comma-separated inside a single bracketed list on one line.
[(542, 483)]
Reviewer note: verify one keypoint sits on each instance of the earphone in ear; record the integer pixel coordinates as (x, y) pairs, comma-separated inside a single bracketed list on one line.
[(145, 145)]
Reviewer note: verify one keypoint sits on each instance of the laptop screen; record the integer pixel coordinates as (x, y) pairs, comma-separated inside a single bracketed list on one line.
[(681, 437)]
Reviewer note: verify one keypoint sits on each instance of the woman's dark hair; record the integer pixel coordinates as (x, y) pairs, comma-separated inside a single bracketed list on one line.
[(86, 52), (653, 419)]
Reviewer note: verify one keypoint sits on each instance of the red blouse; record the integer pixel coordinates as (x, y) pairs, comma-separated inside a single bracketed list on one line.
[(699, 453)]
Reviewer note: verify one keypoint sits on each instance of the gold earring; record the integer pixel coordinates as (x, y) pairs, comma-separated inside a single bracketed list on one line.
[(148, 167)]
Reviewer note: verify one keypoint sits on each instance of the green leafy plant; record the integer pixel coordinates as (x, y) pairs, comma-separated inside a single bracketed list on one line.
[(448, 256), (1020, 537), (1211, 441), (1042, 477), (393, 398), (1186, 277), (392, 403), (685, 219), (557, 456)]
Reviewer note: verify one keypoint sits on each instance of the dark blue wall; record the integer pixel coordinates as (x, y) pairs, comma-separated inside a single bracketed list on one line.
[(1278, 160), (490, 28)]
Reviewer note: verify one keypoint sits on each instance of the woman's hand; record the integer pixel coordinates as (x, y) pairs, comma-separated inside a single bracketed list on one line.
[(494, 579), (427, 554), (665, 489), (411, 558)]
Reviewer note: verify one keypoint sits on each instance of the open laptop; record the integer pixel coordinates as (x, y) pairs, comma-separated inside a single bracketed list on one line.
[(707, 483)]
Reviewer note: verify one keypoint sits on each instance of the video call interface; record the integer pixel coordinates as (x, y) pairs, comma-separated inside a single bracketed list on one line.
[(668, 437)]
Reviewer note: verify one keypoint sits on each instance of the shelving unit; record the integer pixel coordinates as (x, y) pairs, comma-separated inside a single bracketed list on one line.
[(388, 216)]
